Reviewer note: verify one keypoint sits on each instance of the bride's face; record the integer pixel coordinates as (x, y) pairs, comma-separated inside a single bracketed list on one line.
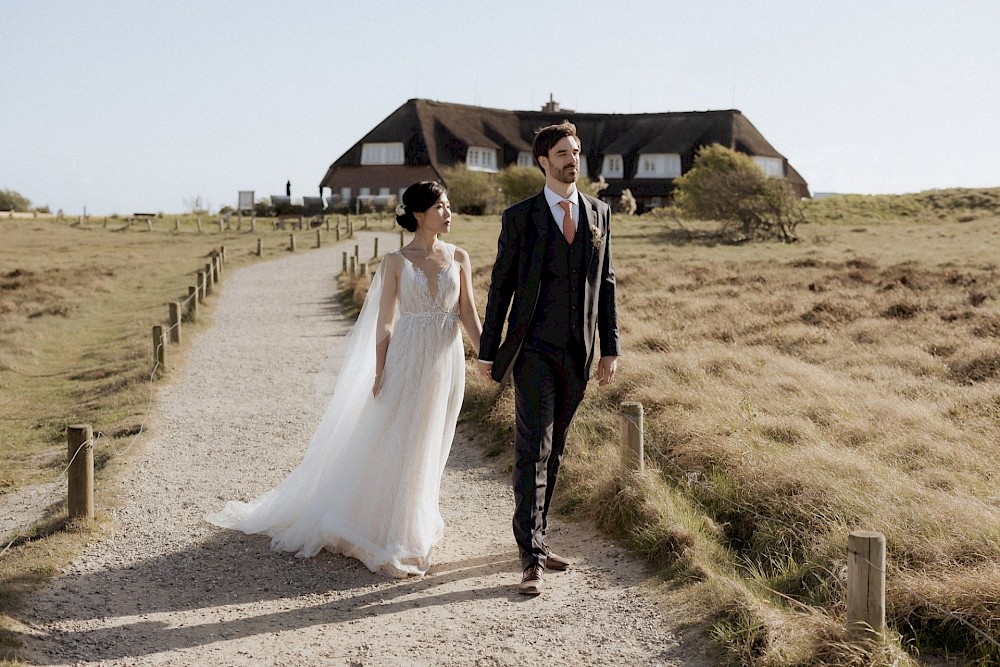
[(436, 219)]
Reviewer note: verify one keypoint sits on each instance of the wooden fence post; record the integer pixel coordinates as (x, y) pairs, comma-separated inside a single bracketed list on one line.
[(363, 269), (80, 474), (376, 247), (253, 225), (192, 304), (319, 239), (215, 269), (865, 584), (159, 356), (201, 286), (291, 242), (177, 225), (344, 269), (260, 247), (197, 222), (357, 254), (208, 279), (354, 266), (175, 322), (631, 437), (336, 227)]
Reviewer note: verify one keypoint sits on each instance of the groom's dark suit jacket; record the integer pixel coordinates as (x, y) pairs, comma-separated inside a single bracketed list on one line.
[(517, 275)]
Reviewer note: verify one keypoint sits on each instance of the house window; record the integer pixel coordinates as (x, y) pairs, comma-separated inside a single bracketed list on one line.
[(382, 153), (481, 159), (612, 167), (584, 171), (772, 166), (659, 165), (525, 159), (383, 192), (400, 193), (345, 194), (364, 192)]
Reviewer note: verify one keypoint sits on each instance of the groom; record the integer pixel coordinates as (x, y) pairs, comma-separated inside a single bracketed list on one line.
[(554, 262)]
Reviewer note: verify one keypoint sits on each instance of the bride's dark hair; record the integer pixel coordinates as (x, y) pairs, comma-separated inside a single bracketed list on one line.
[(416, 199)]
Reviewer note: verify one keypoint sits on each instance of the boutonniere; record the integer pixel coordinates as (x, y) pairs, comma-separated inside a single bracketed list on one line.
[(595, 236)]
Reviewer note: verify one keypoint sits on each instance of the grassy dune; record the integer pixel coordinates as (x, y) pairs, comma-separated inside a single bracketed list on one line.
[(794, 393)]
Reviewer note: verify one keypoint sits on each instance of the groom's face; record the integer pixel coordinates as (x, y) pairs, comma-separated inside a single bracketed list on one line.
[(563, 161)]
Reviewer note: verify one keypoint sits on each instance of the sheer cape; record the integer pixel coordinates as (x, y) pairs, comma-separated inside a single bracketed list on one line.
[(368, 484)]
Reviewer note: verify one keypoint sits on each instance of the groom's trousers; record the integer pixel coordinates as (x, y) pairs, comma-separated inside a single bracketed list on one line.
[(548, 386)]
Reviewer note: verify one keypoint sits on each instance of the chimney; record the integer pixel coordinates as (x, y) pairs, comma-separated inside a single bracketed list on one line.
[(551, 106)]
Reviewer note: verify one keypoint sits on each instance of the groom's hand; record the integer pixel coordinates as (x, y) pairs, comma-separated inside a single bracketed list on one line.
[(606, 369), (485, 369)]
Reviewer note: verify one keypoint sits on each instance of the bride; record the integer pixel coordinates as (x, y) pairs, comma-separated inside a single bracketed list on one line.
[(369, 482)]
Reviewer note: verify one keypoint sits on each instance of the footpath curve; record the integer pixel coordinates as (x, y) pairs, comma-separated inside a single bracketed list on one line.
[(166, 588)]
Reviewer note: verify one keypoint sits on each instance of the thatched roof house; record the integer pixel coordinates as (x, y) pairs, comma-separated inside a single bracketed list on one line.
[(641, 152)]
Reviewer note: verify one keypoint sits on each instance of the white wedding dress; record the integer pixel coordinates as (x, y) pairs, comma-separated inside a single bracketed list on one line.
[(369, 482)]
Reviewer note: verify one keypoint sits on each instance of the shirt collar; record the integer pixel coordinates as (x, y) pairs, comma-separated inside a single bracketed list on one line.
[(553, 199)]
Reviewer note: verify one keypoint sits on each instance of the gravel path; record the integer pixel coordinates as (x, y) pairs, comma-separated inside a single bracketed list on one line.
[(166, 588)]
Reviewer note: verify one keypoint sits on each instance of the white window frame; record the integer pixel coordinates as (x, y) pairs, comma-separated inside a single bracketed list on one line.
[(659, 165), (481, 159), (584, 167), (364, 192), (771, 166), (345, 194), (383, 192), (383, 153), (613, 166), (525, 159)]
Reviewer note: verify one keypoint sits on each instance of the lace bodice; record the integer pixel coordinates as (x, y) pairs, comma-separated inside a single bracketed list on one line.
[(429, 289)]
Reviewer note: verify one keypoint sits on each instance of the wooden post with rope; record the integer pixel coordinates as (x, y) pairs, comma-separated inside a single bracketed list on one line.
[(80, 473), (175, 322), (159, 356), (192, 304)]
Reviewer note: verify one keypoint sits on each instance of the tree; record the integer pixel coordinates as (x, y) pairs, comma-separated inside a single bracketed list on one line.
[(729, 187), (517, 183), (13, 201), (473, 192)]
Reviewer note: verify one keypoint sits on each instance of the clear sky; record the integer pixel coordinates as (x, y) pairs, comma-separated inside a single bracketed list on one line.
[(125, 106)]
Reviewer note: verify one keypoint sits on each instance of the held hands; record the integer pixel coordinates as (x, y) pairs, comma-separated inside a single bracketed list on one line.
[(606, 369), (485, 369)]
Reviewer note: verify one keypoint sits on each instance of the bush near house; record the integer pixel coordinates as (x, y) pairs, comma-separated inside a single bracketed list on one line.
[(14, 201), (727, 186)]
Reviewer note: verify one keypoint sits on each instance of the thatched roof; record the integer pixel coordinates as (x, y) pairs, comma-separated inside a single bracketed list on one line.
[(439, 134)]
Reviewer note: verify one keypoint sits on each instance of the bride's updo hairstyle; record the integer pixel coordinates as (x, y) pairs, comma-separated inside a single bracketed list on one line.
[(416, 199)]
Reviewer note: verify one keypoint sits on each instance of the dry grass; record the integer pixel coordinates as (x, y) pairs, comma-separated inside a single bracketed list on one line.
[(77, 304), (793, 393)]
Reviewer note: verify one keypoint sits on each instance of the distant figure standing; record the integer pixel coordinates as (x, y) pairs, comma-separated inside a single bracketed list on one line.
[(288, 189)]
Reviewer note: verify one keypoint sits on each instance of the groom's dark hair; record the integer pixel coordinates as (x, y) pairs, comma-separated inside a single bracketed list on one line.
[(549, 136)]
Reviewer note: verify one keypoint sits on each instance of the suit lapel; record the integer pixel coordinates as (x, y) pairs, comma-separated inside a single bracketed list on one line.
[(588, 222)]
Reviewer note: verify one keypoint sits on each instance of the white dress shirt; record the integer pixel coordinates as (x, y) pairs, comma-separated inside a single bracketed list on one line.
[(557, 211)]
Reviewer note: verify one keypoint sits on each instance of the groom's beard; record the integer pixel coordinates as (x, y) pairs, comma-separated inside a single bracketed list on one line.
[(567, 174)]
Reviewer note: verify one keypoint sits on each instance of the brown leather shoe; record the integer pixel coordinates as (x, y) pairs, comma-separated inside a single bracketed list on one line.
[(532, 582), (554, 561)]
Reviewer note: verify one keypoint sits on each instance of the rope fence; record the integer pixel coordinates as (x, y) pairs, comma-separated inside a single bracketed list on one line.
[(82, 441)]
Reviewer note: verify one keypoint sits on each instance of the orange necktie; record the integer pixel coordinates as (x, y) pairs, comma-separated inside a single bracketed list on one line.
[(569, 229)]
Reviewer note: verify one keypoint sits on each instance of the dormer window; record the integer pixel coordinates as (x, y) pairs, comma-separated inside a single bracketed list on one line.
[(382, 153), (481, 159), (772, 166), (612, 166), (525, 159), (584, 169), (659, 165)]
